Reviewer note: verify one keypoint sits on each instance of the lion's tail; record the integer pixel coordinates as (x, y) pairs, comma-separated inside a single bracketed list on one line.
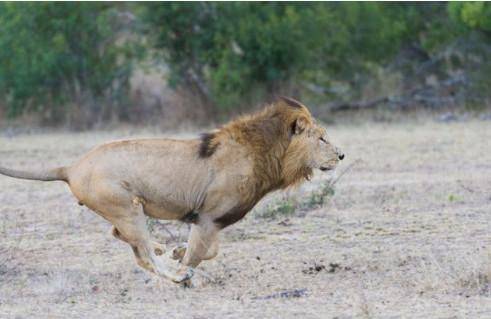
[(57, 174)]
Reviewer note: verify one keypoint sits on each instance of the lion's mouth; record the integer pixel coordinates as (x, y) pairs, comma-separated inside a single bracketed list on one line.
[(328, 166)]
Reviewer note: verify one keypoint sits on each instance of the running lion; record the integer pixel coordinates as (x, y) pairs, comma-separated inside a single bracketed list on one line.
[(210, 182)]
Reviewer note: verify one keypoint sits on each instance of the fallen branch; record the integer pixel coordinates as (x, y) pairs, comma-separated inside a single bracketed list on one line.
[(470, 190), (427, 94), (344, 106), (348, 168)]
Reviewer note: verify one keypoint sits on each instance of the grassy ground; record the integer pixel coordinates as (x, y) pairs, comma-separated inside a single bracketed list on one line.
[(406, 234)]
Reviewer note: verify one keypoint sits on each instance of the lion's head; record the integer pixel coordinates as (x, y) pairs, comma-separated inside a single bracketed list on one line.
[(309, 149), (311, 145), (284, 139)]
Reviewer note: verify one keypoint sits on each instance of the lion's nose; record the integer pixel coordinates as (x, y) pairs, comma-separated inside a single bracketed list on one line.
[(339, 153)]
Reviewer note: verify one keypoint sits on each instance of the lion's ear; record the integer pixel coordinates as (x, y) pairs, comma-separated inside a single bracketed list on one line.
[(299, 125)]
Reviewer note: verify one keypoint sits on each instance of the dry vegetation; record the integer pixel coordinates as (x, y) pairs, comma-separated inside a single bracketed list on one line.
[(407, 233)]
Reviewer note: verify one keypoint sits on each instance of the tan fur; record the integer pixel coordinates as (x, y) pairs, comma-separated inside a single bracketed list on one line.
[(212, 182)]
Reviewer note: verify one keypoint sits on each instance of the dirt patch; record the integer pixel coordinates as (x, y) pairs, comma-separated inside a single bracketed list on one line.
[(406, 233)]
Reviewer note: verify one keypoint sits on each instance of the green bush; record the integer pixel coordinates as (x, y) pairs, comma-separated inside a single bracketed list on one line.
[(475, 15), (233, 52), (54, 54), (59, 57)]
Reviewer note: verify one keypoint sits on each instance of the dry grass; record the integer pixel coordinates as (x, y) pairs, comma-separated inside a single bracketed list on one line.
[(406, 234)]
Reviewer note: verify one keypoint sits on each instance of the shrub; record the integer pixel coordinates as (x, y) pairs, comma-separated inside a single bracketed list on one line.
[(56, 54)]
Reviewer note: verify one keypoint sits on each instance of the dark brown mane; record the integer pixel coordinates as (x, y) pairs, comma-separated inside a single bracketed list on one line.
[(268, 124), (267, 138), (207, 147), (267, 135)]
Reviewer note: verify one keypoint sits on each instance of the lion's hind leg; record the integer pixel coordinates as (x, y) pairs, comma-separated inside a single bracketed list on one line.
[(158, 248), (130, 226)]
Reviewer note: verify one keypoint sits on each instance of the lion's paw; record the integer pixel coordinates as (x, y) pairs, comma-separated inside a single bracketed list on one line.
[(182, 275), (187, 283), (178, 252)]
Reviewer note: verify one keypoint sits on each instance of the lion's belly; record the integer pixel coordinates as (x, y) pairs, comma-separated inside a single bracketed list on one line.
[(176, 200), (165, 210)]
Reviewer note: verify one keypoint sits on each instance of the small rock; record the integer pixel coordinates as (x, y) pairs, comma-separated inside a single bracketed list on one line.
[(294, 293), (314, 269), (285, 222), (333, 267), (447, 117), (319, 267)]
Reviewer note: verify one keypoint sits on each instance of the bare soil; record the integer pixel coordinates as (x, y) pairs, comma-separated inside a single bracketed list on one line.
[(407, 234)]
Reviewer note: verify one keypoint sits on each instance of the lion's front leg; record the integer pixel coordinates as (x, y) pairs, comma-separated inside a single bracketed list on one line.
[(179, 251), (202, 245)]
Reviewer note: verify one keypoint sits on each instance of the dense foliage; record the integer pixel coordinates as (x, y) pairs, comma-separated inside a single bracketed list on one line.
[(57, 54), (475, 15), (231, 50), (53, 54)]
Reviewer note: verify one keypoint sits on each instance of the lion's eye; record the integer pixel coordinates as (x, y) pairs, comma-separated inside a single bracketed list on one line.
[(322, 139)]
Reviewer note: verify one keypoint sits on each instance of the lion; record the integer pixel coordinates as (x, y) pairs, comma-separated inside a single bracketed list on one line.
[(210, 182)]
